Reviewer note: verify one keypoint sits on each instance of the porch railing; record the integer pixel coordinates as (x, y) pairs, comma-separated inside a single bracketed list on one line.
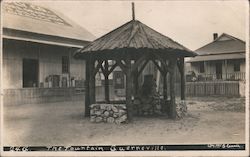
[(238, 76)]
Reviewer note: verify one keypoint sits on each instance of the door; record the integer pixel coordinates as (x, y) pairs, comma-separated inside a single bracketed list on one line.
[(30, 73), (218, 69)]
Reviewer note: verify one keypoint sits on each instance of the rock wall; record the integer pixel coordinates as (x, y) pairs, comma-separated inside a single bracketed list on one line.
[(108, 113)]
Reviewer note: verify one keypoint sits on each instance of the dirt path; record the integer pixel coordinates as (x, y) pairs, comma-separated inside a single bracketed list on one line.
[(210, 120)]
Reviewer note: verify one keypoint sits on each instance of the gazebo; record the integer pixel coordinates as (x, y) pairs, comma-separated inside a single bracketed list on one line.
[(131, 46)]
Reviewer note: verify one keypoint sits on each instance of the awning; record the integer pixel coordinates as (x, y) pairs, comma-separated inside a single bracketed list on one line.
[(42, 42), (217, 57)]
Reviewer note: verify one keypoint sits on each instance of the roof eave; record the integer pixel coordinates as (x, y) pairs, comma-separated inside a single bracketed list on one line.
[(133, 52)]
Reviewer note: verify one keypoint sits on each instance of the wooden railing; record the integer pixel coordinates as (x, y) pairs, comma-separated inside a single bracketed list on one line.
[(237, 76), (223, 88)]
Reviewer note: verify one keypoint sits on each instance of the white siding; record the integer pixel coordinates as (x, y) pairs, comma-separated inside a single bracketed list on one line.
[(50, 62)]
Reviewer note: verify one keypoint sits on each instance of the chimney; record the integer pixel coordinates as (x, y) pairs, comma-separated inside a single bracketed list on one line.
[(215, 35)]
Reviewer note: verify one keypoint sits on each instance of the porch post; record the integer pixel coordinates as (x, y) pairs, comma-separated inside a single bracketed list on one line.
[(172, 107), (87, 97), (226, 68)]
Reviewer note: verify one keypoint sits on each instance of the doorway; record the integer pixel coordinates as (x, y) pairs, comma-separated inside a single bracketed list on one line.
[(218, 69), (30, 73)]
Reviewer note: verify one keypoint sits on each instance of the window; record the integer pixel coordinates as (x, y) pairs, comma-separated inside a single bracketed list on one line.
[(202, 68), (30, 73), (65, 64), (236, 66)]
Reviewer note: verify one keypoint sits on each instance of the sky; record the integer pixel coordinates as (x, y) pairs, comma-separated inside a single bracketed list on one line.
[(190, 23)]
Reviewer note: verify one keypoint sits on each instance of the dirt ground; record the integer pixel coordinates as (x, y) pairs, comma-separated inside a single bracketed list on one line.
[(209, 120)]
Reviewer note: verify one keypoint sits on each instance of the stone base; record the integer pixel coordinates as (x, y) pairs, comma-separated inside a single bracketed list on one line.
[(108, 113), (181, 109)]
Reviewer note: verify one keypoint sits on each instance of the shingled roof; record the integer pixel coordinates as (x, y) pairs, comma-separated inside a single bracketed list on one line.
[(224, 47), (134, 36), (44, 21), (223, 44)]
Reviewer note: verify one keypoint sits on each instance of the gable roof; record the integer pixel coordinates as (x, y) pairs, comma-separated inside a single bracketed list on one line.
[(223, 44), (27, 17), (135, 36), (217, 57)]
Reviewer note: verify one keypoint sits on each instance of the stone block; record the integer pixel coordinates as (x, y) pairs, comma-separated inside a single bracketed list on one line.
[(106, 113), (98, 119), (110, 120)]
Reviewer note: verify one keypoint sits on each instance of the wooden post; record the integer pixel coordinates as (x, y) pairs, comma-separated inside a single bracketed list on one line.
[(129, 87), (172, 107), (92, 82), (87, 97), (106, 81), (165, 87), (226, 77), (164, 75), (135, 81), (133, 11), (182, 72)]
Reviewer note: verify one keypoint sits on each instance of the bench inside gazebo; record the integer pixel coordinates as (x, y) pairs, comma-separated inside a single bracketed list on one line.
[(131, 46)]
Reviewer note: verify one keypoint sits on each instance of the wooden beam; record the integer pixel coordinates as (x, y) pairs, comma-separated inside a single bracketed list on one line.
[(225, 68), (172, 107), (112, 68), (106, 81), (161, 69), (87, 97), (139, 62), (165, 85), (129, 87), (135, 81), (122, 66), (183, 81), (99, 65), (92, 81), (163, 62), (142, 67), (179, 64), (103, 70)]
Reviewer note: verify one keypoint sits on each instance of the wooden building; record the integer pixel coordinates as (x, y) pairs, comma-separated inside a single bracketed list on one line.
[(38, 46), (222, 59)]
